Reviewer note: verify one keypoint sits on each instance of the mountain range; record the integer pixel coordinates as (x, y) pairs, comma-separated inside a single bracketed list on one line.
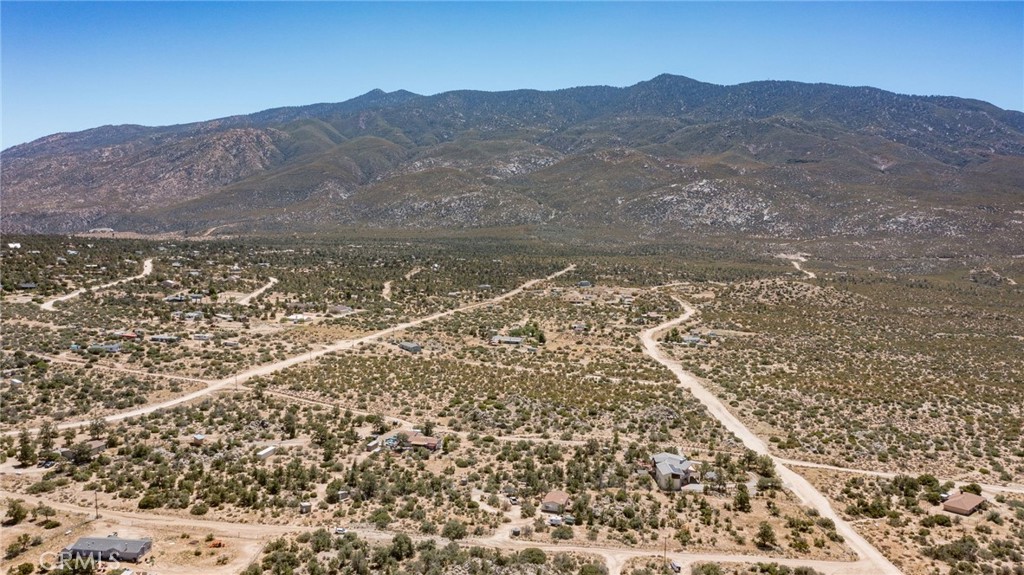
[(666, 158)]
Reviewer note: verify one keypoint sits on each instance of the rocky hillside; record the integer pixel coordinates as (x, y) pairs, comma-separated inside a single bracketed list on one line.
[(669, 157)]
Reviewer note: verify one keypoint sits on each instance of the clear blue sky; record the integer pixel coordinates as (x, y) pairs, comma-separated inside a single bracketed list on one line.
[(73, 66)]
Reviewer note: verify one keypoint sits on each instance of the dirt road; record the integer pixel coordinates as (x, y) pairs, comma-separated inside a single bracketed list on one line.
[(267, 369), (147, 268), (794, 482), (796, 260), (988, 488), (245, 300), (614, 557)]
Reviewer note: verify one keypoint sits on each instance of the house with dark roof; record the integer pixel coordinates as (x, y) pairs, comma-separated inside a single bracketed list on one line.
[(672, 472), (109, 549), (410, 347)]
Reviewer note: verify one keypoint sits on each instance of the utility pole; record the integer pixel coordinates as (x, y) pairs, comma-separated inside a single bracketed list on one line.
[(96, 503)]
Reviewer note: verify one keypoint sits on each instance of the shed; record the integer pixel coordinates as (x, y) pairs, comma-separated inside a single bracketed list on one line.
[(963, 503), (305, 507), (198, 439), (266, 452)]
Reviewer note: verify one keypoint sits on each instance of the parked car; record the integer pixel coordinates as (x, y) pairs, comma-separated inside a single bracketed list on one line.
[(340, 530)]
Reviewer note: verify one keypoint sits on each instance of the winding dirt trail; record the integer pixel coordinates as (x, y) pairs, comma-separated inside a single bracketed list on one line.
[(794, 482), (342, 345), (796, 260), (245, 300), (147, 268), (810, 275), (385, 292)]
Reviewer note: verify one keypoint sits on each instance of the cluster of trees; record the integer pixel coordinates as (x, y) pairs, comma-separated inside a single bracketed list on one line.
[(319, 553)]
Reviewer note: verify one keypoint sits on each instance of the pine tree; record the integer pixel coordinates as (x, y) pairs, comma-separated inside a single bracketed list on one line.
[(741, 501), (26, 449)]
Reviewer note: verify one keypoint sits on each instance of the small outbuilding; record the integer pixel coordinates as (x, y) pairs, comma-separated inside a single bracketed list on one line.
[(266, 452), (305, 507), (964, 503)]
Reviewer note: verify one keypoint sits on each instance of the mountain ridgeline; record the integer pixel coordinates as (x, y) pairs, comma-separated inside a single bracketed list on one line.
[(666, 158)]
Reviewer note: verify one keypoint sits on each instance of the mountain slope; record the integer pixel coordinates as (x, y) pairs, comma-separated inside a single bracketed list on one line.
[(667, 157)]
